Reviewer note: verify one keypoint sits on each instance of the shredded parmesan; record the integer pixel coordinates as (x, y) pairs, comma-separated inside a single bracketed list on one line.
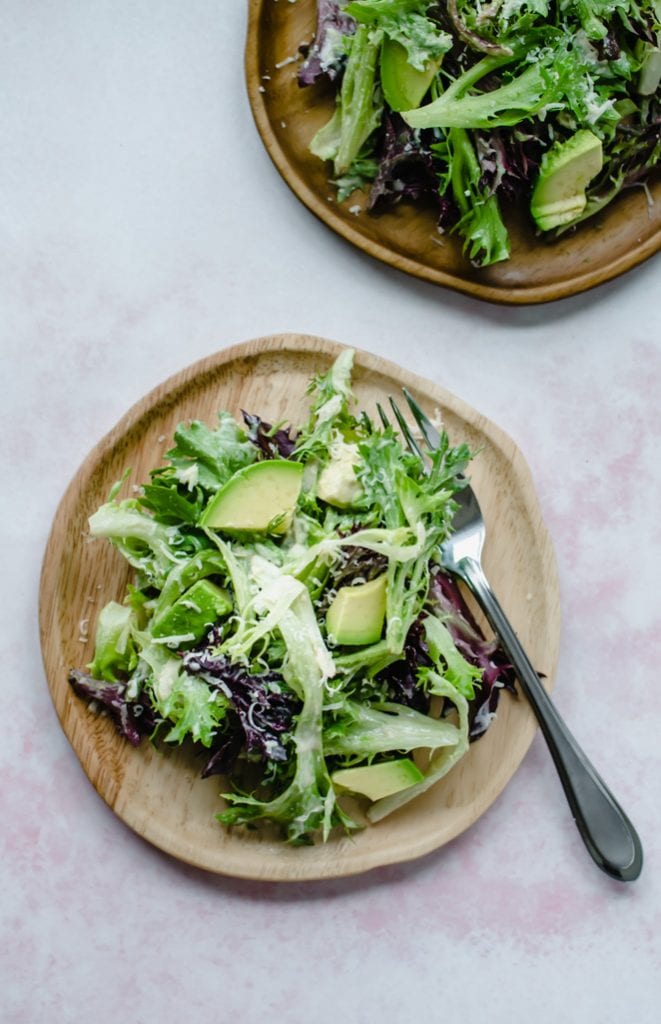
[(285, 62)]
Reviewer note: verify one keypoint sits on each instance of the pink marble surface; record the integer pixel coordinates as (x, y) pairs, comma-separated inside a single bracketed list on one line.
[(143, 227)]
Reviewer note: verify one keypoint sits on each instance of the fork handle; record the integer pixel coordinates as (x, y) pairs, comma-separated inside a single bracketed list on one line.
[(605, 829)]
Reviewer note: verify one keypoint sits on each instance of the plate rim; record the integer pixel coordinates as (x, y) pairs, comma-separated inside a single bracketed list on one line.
[(509, 296), (410, 848)]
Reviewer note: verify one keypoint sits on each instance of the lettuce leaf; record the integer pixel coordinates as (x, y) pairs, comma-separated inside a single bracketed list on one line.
[(358, 108), (115, 653), (405, 22), (365, 729), (441, 760), (308, 802)]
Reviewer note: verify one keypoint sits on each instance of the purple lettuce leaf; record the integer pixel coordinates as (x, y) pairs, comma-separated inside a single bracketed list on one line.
[(509, 161), (401, 676), (273, 444), (321, 61), (133, 718), (497, 673), (405, 169), (225, 750), (265, 713)]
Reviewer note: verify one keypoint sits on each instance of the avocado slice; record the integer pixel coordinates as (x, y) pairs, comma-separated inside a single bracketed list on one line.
[(404, 87), (566, 170), (259, 498), (356, 614), (194, 612), (378, 780)]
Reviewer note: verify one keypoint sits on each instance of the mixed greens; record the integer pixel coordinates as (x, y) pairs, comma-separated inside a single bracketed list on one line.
[(475, 105), (288, 618)]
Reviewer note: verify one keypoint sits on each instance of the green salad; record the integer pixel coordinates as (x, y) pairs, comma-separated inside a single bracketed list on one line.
[(288, 619), (474, 107)]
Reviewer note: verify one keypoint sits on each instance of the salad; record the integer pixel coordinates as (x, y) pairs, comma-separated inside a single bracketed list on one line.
[(288, 619), (474, 105)]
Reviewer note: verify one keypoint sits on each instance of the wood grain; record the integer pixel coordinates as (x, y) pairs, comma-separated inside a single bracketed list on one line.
[(160, 795), (287, 116)]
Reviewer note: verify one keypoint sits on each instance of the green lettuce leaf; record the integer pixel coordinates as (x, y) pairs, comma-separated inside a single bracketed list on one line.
[(308, 802), (485, 237), (210, 457), (363, 730), (405, 22), (114, 650), (186, 703), (440, 761), (358, 108), (147, 545)]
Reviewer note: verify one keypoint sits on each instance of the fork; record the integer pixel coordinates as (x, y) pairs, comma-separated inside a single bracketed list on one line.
[(605, 829)]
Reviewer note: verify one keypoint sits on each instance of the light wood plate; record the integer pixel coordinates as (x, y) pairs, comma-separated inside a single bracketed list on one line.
[(160, 795), (287, 117)]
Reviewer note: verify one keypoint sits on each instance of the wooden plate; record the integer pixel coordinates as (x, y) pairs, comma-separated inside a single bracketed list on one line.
[(287, 117), (160, 795)]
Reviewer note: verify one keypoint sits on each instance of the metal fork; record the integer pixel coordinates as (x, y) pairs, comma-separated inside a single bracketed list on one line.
[(605, 829)]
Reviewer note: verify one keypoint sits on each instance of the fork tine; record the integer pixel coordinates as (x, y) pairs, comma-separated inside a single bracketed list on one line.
[(366, 422), (407, 433), (427, 429), (384, 419)]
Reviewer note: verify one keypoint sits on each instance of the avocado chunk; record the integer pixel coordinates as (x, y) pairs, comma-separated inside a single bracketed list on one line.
[(404, 87), (649, 75), (378, 780), (356, 614), (338, 484), (194, 612), (259, 498), (566, 170)]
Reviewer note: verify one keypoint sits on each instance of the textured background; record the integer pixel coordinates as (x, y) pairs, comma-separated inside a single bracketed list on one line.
[(143, 226)]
